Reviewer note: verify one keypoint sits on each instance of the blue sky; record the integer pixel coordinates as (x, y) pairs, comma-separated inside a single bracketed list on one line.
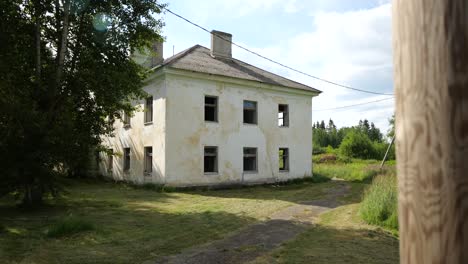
[(341, 40)]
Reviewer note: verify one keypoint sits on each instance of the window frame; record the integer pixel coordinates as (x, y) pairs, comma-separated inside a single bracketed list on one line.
[(126, 159), (148, 110), (285, 157), (244, 155), (285, 117), (205, 154), (211, 105), (147, 173), (126, 119), (250, 109)]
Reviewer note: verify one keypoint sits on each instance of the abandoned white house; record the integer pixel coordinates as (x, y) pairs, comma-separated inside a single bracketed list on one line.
[(212, 119)]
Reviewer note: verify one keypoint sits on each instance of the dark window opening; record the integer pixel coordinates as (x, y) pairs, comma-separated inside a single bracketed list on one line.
[(211, 159), (126, 119), (250, 159), (250, 112), (149, 110), (283, 115), (148, 161), (211, 108), (283, 159), (126, 157)]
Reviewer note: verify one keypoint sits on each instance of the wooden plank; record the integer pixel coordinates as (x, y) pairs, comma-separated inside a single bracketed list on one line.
[(430, 42)]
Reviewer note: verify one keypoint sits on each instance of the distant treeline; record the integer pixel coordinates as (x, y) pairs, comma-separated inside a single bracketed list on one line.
[(364, 140)]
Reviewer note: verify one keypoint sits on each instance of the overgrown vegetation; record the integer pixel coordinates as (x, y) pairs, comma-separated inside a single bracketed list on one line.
[(69, 226), (64, 67), (379, 205)]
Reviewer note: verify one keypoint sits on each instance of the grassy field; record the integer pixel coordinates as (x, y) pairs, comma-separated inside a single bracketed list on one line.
[(98, 222)]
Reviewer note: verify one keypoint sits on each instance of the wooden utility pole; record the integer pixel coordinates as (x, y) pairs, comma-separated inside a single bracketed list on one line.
[(430, 42)]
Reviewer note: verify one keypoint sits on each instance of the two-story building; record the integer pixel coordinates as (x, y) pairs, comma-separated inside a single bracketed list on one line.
[(214, 120)]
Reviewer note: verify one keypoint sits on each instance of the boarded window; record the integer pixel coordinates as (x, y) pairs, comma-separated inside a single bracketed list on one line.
[(250, 112), (126, 119), (126, 159), (211, 159), (148, 161), (283, 159), (250, 159), (211, 108), (283, 115), (149, 110), (110, 160)]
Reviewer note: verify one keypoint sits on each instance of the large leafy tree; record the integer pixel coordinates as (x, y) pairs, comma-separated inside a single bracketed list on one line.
[(65, 67)]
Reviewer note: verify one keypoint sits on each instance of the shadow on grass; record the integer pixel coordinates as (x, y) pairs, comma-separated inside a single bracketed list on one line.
[(324, 244), (130, 232)]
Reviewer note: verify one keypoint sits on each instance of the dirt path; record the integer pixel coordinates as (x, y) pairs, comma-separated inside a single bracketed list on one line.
[(258, 239)]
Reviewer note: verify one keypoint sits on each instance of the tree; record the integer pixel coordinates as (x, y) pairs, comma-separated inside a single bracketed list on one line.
[(356, 144), (391, 130), (65, 67), (375, 134)]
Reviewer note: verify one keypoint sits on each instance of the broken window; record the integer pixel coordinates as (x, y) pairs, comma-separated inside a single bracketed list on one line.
[(250, 159), (283, 159), (211, 108), (148, 161), (110, 160), (283, 115), (250, 112), (126, 119), (211, 159), (126, 159), (149, 110)]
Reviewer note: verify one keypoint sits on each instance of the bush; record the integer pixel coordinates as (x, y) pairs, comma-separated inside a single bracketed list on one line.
[(357, 145), (379, 206), (69, 226)]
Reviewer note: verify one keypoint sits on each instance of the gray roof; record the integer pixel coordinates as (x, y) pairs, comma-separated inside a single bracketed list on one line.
[(199, 59)]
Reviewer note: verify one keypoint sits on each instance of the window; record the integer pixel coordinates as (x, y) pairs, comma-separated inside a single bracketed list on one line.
[(211, 160), (211, 108), (283, 115), (149, 110), (148, 161), (110, 160), (126, 119), (126, 159), (250, 112), (283, 159), (250, 159)]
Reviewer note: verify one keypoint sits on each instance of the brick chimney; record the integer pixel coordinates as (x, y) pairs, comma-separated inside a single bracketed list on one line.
[(157, 58), (221, 44)]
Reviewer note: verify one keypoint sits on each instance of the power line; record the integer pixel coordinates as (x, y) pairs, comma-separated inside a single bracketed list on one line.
[(273, 61), (341, 107)]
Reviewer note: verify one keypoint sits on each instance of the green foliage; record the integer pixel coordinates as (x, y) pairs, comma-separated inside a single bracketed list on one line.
[(56, 90), (69, 226), (356, 144), (379, 206), (355, 171)]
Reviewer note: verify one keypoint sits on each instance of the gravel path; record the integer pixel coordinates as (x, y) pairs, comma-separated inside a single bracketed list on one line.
[(258, 239)]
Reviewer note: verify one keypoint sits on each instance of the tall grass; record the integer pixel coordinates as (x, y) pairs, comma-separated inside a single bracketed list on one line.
[(379, 206), (69, 226), (361, 172)]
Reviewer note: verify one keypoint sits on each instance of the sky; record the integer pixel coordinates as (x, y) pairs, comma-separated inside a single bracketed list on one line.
[(347, 42)]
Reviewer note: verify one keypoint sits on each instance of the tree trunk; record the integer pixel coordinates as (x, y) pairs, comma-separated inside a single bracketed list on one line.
[(431, 84), (38, 43), (63, 43)]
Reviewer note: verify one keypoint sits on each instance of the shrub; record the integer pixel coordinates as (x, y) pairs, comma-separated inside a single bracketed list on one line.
[(317, 150), (69, 226), (379, 206), (357, 145)]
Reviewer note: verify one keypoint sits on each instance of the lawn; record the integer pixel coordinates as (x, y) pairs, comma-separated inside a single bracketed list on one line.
[(98, 222)]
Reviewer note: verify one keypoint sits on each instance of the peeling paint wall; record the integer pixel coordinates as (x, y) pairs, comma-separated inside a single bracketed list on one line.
[(188, 133), (138, 136)]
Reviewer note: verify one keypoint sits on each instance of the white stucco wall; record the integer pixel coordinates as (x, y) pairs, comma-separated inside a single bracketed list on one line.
[(188, 133), (138, 136)]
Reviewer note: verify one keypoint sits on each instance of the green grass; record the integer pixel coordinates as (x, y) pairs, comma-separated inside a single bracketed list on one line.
[(69, 226), (339, 237), (379, 206), (132, 225)]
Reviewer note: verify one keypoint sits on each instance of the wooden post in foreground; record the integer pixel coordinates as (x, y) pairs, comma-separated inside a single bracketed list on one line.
[(430, 42)]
